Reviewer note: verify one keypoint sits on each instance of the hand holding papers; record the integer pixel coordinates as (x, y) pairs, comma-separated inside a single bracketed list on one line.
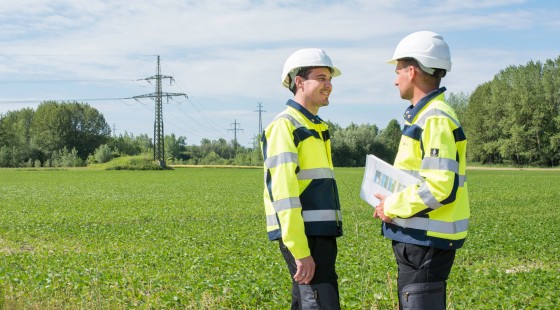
[(380, 177)]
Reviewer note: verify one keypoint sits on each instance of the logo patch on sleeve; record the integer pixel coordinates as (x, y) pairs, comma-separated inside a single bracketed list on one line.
[(434, 153)]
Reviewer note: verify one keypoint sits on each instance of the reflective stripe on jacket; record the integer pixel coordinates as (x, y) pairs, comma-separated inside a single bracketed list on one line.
[(300, 193), (433, 148)]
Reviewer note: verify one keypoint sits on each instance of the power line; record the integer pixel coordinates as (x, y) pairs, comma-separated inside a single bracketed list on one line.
[(198, 121), (65, 100), (209, 119), (77, 55), (193, 120), (64, 81)]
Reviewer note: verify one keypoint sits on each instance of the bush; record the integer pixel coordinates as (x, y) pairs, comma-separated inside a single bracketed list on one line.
[(213, 159), (63, 158), (103, 154)]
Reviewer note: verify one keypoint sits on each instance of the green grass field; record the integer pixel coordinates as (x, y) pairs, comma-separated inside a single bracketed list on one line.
[(194, 238)]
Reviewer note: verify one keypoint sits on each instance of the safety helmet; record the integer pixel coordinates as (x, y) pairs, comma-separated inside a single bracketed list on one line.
[(307, 57), (427, 47)]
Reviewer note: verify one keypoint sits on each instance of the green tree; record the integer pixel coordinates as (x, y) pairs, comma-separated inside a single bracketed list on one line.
[(7, 156), (550, 152), (145, 143), (388, 141), (174, 146), (459, 102), (51, 127), (71, 125), (15, 134), (513, 119), (125, 144), (481, 124), (220, 147), (89, 128), (351, 144)]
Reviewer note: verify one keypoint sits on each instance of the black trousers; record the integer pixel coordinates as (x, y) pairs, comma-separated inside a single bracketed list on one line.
[(422, 264), (324, 251)]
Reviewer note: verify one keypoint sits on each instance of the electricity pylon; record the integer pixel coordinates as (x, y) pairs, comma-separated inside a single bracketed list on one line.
[(260, 110), (235, 130), (159, 146)]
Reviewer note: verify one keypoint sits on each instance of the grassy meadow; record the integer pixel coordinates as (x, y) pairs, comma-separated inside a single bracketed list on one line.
[(194, 238)]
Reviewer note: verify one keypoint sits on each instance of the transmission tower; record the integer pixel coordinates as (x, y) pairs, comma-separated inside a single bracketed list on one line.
[(260, 110), (235, 130), (159, 147)]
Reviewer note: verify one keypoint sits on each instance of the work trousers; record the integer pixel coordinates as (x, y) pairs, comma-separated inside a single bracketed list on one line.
[(322, 291), (423, 272)]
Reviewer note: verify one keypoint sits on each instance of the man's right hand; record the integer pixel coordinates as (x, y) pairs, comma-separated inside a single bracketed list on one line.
[(305, 270)]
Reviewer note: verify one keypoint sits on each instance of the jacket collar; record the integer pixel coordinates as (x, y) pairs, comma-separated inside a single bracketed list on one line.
[(413, 110), (313, 118)]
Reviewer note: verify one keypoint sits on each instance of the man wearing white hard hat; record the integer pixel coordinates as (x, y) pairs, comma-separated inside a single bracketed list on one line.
[(300, 193), (426, 222)]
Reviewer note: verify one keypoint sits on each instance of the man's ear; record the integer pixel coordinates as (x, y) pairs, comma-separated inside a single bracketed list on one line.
[(412, 72), (299, 81)]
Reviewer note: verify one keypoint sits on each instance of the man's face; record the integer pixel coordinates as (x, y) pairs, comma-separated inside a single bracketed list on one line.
[(317, 88), (403, 80)]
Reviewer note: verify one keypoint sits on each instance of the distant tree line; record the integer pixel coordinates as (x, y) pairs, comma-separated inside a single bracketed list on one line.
[(72, 134), (350, 145)]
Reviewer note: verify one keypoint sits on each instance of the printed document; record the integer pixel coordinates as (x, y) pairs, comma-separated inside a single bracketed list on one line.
[(381, 177)]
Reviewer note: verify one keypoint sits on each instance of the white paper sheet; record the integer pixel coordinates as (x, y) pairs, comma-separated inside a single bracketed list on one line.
[(381, 177)]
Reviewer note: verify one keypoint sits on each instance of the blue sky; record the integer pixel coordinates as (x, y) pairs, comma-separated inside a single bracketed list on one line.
[(227, 56)]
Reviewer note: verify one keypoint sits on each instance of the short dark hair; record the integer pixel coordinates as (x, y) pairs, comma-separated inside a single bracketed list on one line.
[(436, 76), (304, 73)]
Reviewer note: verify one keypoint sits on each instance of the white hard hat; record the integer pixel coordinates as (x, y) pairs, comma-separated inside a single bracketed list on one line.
[(307, 57), (427, 47)]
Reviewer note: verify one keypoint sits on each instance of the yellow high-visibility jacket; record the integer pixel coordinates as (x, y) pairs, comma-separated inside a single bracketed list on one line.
[(433, 148), (300, 193)]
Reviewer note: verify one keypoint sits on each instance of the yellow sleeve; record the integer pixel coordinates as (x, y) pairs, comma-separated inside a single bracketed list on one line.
[(284, 186)]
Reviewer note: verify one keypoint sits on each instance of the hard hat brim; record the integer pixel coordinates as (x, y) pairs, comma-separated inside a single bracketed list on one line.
[(392, 61)]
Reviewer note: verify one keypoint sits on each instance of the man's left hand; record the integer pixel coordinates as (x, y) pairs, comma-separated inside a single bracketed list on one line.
[(379, 211)]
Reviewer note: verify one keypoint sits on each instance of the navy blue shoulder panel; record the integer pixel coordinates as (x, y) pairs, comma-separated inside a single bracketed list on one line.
[(413, 132), (459, 134), (326, 135), (303, 133)]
